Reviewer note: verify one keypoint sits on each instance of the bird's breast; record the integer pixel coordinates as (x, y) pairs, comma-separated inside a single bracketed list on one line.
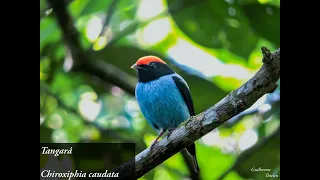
[(161, 103)]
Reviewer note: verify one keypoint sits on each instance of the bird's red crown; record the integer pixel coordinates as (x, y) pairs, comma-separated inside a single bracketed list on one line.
[(147, 59)]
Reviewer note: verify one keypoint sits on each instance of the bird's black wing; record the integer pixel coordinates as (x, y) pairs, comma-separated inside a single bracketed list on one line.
[(185, 92)]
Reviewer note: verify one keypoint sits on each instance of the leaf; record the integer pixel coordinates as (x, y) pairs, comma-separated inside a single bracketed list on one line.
[(77, 7), (127, 7), (204, 92), (123, 16), (273, 2), (96, 6), (233, 175), (69, 82), (49, 32), (214, 24), (265, 19), (212, 161), (161, 173)]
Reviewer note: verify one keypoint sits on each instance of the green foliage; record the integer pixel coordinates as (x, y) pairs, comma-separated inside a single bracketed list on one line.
[(269, 15), (49, 32), (215, 161), (219, 24), (222, 37)]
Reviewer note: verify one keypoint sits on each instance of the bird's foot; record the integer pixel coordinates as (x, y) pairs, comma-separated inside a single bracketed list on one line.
[(170, 132), (155, 141)]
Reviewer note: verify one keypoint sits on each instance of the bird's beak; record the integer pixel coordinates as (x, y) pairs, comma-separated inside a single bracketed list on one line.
[(135, 66)]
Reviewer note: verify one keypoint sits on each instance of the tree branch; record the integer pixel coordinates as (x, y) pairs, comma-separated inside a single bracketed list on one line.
[(81, 59), (264, 81), (111, 8), (106, 23), (110, 74)]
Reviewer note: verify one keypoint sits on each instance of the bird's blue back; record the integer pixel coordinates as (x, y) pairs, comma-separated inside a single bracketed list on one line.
[(161, 103)]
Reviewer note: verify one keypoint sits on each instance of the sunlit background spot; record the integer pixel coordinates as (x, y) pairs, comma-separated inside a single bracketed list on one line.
[(149, 9), (264, 108), (185, 53), (229, 1), (232, 11), (59, 136), (212, 138), (88, 106), (155, 31), (41, 119), (229, 145), (94, 28), (120, 122), (269, 10), (55, 121), (248, 139)]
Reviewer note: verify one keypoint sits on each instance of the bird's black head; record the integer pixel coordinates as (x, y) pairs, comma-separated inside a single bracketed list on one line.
[(151, 68)]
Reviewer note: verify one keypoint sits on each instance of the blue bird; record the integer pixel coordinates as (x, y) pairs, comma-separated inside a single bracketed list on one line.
[(163, 97)]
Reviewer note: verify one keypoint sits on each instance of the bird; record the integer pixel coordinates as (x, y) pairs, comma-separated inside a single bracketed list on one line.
[(164, 98)]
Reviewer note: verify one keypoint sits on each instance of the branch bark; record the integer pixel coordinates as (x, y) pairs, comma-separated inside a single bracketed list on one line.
[(264, 81)]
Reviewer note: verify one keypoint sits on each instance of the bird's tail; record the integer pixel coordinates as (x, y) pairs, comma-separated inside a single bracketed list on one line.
[(195, 164), (192, 151)]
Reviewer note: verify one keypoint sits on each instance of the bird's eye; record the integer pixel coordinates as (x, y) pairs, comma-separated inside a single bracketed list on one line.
[(153, 64)]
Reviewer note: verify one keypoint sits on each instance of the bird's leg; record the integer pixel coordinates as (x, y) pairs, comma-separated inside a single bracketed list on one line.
[(170, 132), (154, 142)]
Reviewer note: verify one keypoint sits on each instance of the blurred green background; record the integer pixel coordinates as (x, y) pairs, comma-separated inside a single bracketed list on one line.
[(87, 86)]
